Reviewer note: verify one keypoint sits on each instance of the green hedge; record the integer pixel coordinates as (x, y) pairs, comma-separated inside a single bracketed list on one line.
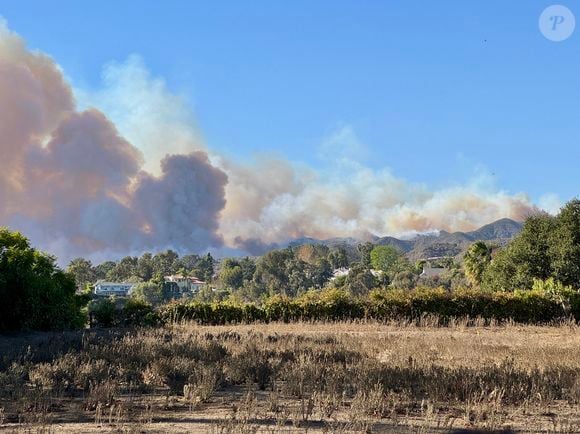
[(520, 306), (112, 312), (532, 307)]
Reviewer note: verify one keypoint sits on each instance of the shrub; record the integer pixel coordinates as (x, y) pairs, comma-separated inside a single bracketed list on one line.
[(545, 303), (102, 312), (137, 312)]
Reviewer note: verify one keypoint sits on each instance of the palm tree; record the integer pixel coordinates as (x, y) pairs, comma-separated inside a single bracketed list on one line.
[(475, 262)]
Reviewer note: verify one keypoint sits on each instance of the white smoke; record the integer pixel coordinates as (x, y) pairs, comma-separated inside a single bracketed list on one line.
[(144, 111), (133, 174), (352, 200)]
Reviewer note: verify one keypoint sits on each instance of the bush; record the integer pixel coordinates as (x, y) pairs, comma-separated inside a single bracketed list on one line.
[(35, 293), (102, 312), (109, 312), (545, 303), (137, 312)]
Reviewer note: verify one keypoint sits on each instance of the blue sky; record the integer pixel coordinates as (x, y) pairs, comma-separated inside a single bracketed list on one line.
[(434, 90)]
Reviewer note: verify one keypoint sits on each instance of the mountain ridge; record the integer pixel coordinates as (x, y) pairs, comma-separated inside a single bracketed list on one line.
[(430, 245)]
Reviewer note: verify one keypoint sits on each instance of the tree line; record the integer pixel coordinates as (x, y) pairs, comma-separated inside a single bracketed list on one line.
[(37, 294), (144, 268), (547, 247), (291, 271)]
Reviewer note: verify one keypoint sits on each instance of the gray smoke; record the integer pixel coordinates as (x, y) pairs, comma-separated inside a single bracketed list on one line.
[(182, 205), (75, 186)]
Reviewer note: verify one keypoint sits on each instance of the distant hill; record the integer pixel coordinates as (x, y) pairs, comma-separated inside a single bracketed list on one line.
[(427, 246), (456, 243), (501, 229), (403, 245)]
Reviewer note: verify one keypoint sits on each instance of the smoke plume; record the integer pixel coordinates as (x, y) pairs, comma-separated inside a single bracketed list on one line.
[(351, 200), (135, 176), (75, 185)]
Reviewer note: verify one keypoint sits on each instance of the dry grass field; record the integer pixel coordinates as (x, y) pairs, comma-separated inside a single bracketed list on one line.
[(299, 377)]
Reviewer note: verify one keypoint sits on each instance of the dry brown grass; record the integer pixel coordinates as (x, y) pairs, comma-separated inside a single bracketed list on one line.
[(300, 377)]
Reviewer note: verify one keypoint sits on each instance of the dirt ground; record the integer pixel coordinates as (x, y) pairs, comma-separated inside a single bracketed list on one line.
[(247, 409)]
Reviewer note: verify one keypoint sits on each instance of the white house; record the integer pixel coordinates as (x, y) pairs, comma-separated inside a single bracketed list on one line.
[(185, 283), (429, 272), (113, 288), (340, 272), (432, 268)]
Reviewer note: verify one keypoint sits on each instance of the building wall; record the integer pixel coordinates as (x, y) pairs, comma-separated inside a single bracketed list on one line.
[(112, 289)]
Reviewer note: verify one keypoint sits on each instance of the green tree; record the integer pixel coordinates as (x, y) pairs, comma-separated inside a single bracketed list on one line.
[(231, 275), (165, 263), (476, 260), (395, 268), (564, 242), (272, 272), (102, 311), (300, 276), (83, 272), (404, 279), (189, 263), (205, 268), (149, 292), (125, 268), (365, 250), (232, 278), (248, 268), (360, 280), (102, 270), (320, 273), (282, 272), (525, 258), (384, 258), (35, 293), (144, 268), (338, 258)]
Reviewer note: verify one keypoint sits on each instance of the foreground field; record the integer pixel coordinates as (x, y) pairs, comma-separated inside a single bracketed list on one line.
[(299, 377)]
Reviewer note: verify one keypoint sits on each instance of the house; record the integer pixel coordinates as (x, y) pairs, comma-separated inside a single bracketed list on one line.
[(432, 268), (430, 272), (377, 273), (113, 288), (340, 272), (343, 271), (185, 284)]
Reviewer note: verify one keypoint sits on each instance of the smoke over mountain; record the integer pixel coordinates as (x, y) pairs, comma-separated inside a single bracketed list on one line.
[(137, 177), (351, 200)]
